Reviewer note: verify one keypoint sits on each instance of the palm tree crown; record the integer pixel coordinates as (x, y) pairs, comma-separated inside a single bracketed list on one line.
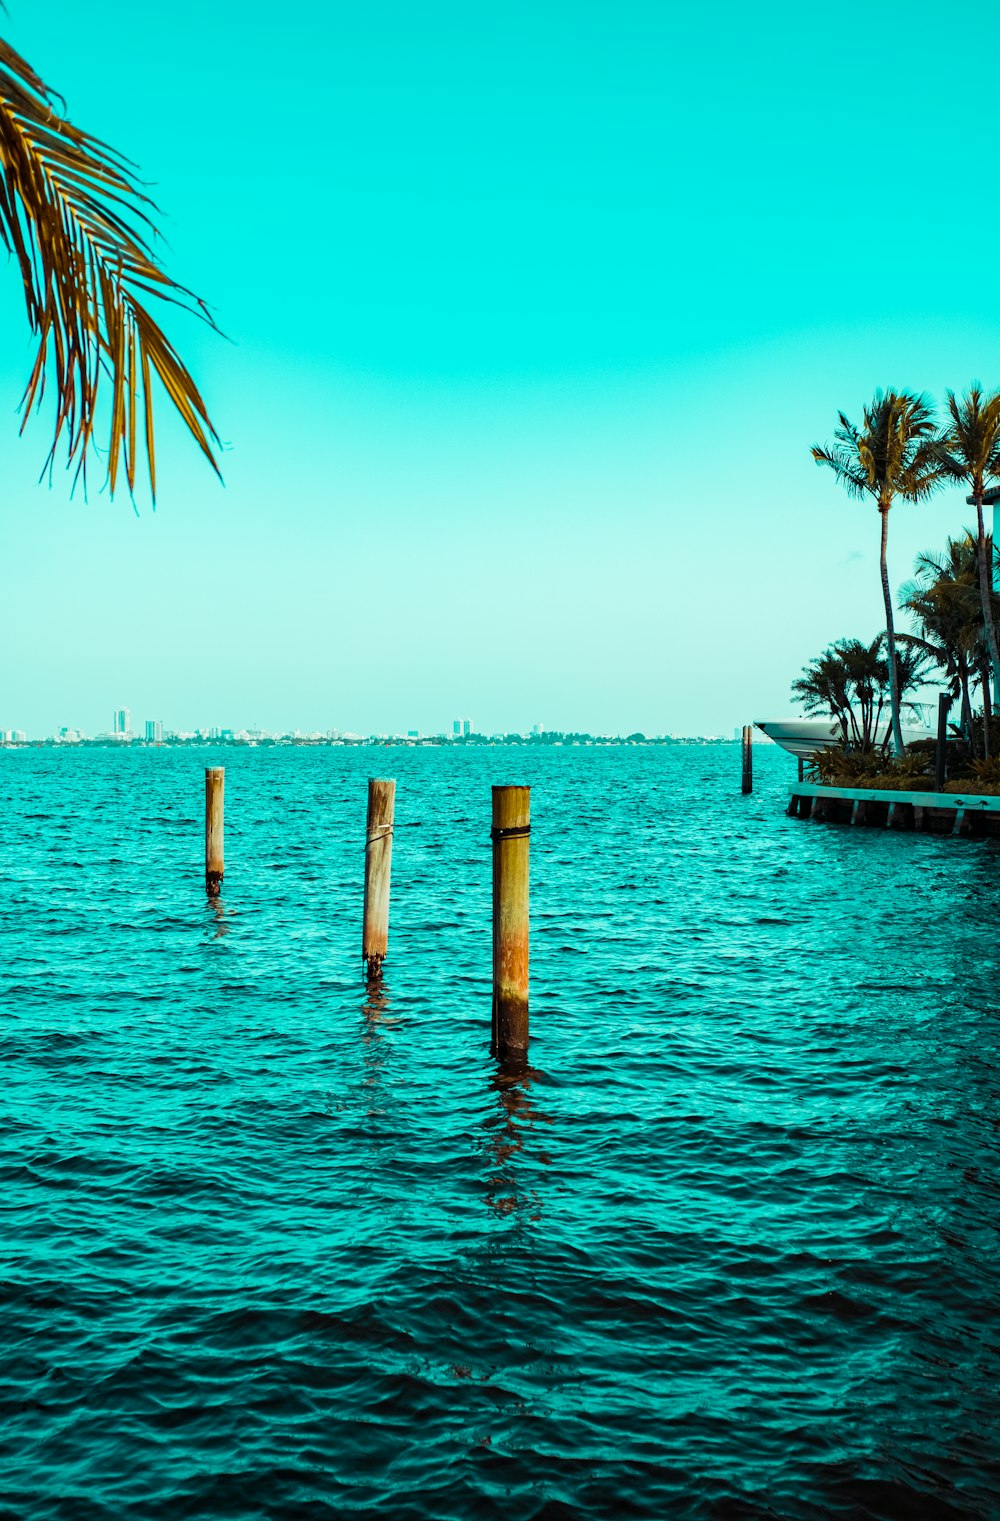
[(895, 453), (77, 223)]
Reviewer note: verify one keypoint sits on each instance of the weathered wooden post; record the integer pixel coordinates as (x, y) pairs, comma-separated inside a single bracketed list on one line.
[(378, 864), (215, 796), (940, 756), (747, 758), (510, 836)]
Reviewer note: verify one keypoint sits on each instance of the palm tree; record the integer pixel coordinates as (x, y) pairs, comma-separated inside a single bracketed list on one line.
[(972, 454), (895, 453), (851, 673), (944, 601), (824, 687), (78, 225), (867, 674)]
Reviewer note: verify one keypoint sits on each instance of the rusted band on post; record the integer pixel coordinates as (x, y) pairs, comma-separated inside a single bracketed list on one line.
[(515, 832)]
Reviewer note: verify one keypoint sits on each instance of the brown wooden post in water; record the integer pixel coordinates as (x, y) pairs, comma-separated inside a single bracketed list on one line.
[(940, 757), (378, 864), (510, 836), (215, 792), (747, 758)]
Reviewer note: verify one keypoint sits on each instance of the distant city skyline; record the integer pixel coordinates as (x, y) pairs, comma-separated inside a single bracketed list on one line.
[(155, 731)]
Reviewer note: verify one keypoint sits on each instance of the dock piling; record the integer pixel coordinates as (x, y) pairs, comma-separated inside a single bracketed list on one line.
[(747, 759), (510, 836), (378, 866), (940, 754), (215, 793)]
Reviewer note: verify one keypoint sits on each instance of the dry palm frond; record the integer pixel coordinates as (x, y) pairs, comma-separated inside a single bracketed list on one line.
[(74, 217)]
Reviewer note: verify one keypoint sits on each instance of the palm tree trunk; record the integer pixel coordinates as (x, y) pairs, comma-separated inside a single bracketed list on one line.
[(984, 681), (963, 676), (986, 593), (841, 718), (890, 636), (854, 724)]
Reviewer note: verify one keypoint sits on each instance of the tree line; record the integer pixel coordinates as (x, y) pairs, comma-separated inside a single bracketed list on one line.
[(902, 451)]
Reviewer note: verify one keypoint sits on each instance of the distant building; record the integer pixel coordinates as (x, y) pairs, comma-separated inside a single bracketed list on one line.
[(466, 726), (122, 727), (413, 733), (154, 731), (456, 728), (538, 729)]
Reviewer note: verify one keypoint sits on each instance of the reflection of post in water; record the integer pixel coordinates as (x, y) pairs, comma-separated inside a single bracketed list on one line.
[(375, 1009), (218, 909), (377, 1021), (509, 1129)]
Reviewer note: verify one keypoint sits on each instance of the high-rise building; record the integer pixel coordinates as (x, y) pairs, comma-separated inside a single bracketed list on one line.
[(122, 724), (456, 728), (466, 726), (154, 731)]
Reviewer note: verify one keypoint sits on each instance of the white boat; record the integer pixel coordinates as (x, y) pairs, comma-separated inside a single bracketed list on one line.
[(801, 736)]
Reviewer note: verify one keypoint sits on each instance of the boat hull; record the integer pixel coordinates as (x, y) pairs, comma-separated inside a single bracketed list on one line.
[(801, 736)]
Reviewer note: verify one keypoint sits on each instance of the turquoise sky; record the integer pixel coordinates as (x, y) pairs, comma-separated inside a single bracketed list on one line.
[(534, 313)]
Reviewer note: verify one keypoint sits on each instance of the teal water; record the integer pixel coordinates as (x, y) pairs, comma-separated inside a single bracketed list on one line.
[(275, 1248)]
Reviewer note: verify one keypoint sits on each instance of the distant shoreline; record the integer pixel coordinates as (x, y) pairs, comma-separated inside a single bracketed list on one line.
[(423, 742)]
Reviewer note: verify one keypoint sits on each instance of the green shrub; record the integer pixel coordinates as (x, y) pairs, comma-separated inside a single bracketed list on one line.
[(833, 767), (987, 771), (872, 768)]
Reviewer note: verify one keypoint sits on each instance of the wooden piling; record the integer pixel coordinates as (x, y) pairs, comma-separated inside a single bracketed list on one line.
[(940, 755), (378, 864), (747, 758), (510, 835), (215, 795)]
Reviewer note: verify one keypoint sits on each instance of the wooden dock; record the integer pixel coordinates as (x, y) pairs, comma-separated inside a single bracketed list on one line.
[(956, 813)]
